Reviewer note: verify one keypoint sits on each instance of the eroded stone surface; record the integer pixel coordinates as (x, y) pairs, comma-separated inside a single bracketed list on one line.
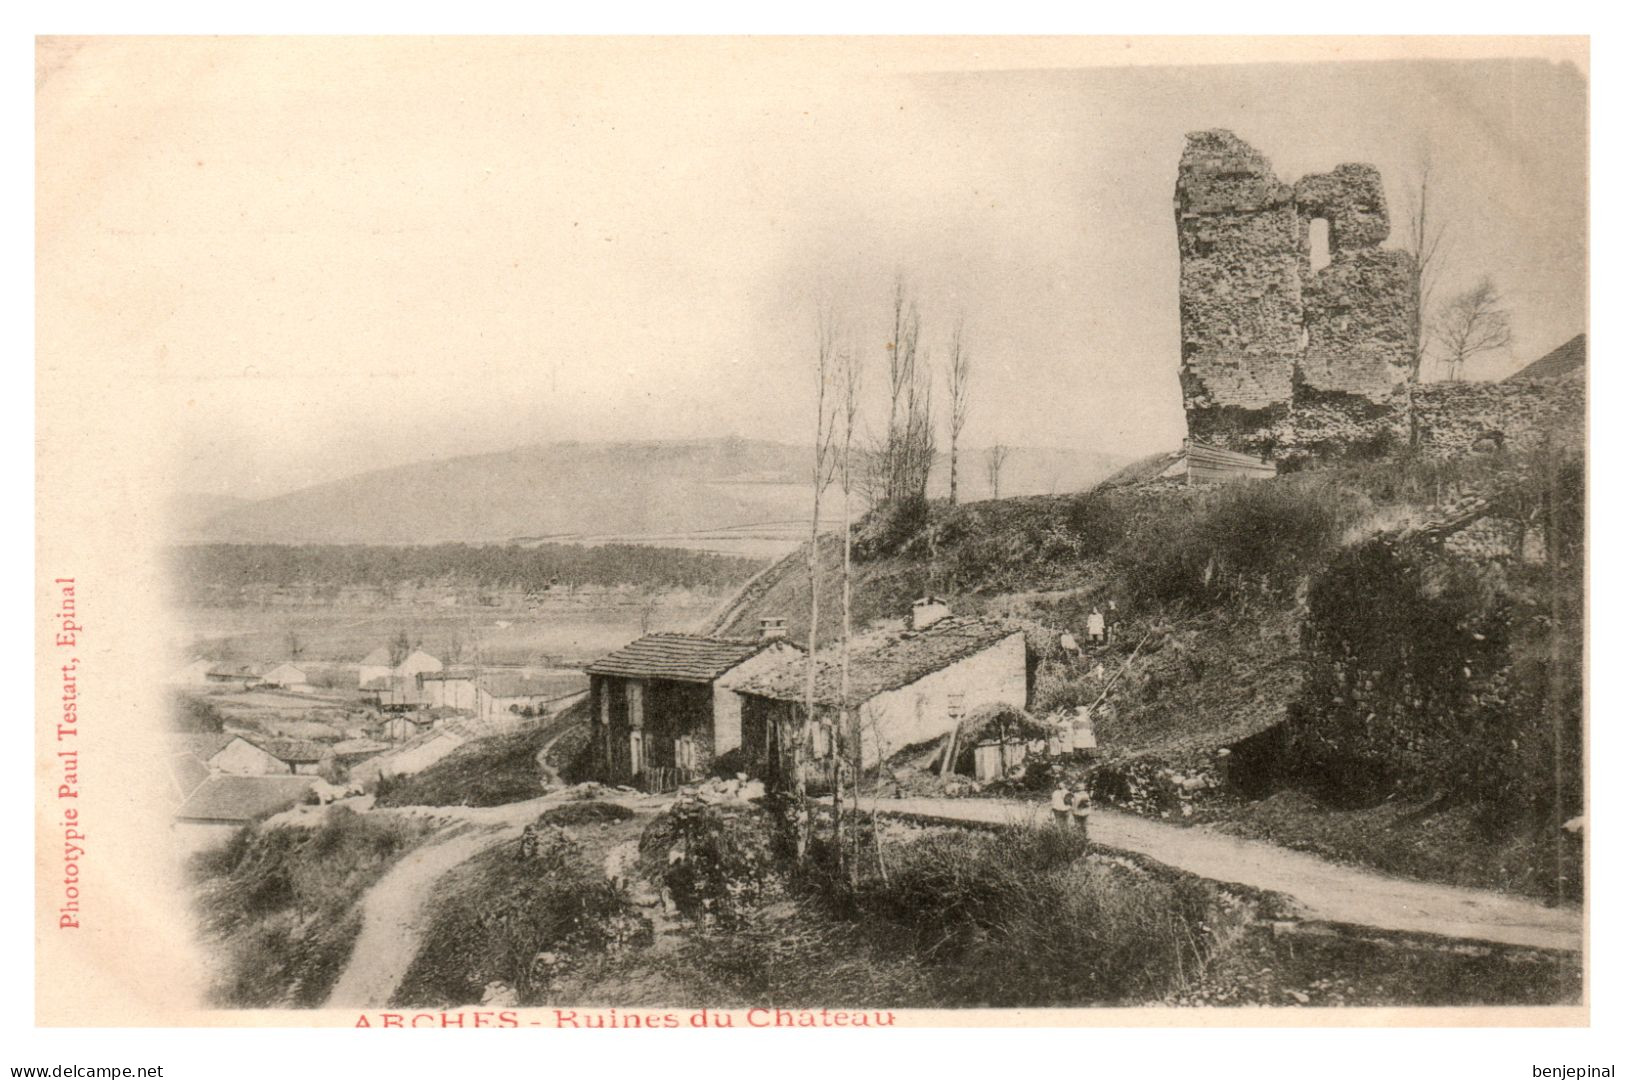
[(1276, 357)]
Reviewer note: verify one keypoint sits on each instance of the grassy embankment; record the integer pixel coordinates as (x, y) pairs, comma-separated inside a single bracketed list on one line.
[(492, 771), (281, 906), (922, 917)]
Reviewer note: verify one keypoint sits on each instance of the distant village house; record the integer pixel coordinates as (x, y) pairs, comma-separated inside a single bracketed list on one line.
[(221, 805), (287, 677)]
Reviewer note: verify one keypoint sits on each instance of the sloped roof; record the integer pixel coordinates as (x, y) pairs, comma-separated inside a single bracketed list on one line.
[(289, 750), (506, 684), (202, 745), (1568, 358), (882, 661), (359, 747), (684, 657), (986, 723), (1143, 469), (235, 671), (379, 657), (243, 798), (186, 772)]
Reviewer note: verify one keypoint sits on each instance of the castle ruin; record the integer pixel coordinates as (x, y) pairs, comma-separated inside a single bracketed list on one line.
[(1280, 357)]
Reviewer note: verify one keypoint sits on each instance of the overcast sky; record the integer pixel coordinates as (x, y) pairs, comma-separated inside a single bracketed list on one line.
[(320, 257)]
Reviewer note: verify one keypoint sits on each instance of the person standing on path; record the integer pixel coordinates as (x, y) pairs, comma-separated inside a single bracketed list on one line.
[(1082, 807), (1060, 803), (1097, 628)]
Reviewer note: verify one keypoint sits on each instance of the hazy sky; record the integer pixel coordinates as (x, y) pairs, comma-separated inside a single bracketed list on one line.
[(319, 257)]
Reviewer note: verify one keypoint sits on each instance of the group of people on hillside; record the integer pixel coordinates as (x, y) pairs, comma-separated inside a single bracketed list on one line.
[(1071, 806), (1102, 625)]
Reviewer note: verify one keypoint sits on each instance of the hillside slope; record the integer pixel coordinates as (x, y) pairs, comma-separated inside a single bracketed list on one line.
[(578, 491), (1374, 730)]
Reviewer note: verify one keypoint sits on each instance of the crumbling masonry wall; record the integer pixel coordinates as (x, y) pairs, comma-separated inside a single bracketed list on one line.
[(1453, 419), (1278, 358)]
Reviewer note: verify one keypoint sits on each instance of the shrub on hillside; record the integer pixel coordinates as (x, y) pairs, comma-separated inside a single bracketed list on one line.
[(521, 923), (586, 813), (195, 714), (1255, 538), (891, 527), (1021, 917), (719, 862), (1429, 677)]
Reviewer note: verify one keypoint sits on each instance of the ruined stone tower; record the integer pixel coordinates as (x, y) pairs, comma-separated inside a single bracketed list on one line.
[(1279, 358)]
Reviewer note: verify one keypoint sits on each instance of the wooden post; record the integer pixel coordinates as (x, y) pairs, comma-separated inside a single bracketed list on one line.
[(956, 711)]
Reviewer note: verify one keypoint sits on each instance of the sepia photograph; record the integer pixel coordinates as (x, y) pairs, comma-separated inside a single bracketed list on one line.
[(811, 532)]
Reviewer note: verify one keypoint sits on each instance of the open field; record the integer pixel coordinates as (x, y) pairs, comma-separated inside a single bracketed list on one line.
[(562, 631)]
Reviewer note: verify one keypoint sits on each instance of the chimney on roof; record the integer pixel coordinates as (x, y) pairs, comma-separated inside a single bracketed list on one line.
[(927, 611), (773, 628)]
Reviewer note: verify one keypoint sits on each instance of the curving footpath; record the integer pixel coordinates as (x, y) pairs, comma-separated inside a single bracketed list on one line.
[(1323, 890)]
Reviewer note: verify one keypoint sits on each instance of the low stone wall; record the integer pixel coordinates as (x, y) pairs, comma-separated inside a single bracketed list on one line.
[(1457, 418)]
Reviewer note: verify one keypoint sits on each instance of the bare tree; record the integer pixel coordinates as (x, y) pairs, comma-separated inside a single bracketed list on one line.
[(994, 458), (400, 647), (851, 382), (1425, 232), (1474, 322), (910, 441), (958, 403), (295, 644), (823, 472)]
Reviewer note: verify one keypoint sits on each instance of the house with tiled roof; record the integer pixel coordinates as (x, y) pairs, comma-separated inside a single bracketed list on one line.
[(666, 709), (902, 687), (221, 805), (255, 754)]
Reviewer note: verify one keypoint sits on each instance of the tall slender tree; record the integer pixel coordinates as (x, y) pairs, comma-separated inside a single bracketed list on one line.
[(851, 384), (823, 464), (1425, 232), (909, 445), (994, 460), (958, 403)]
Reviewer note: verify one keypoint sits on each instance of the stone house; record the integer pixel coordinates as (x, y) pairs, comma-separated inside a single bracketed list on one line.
[(907, 686), (258, 755), (666, 708)]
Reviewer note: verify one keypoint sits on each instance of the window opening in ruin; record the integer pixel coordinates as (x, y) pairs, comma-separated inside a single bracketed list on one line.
[(1320, 244)]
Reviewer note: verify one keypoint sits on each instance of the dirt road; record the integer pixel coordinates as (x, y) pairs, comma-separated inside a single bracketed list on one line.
[(1322, 890), (391, 931), (392, 910)]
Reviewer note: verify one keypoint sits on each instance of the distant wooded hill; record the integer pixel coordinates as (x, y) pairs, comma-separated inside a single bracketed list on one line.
[(591, 492), (212, 573)]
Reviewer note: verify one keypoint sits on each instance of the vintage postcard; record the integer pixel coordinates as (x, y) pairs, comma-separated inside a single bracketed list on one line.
[(635, 533)]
